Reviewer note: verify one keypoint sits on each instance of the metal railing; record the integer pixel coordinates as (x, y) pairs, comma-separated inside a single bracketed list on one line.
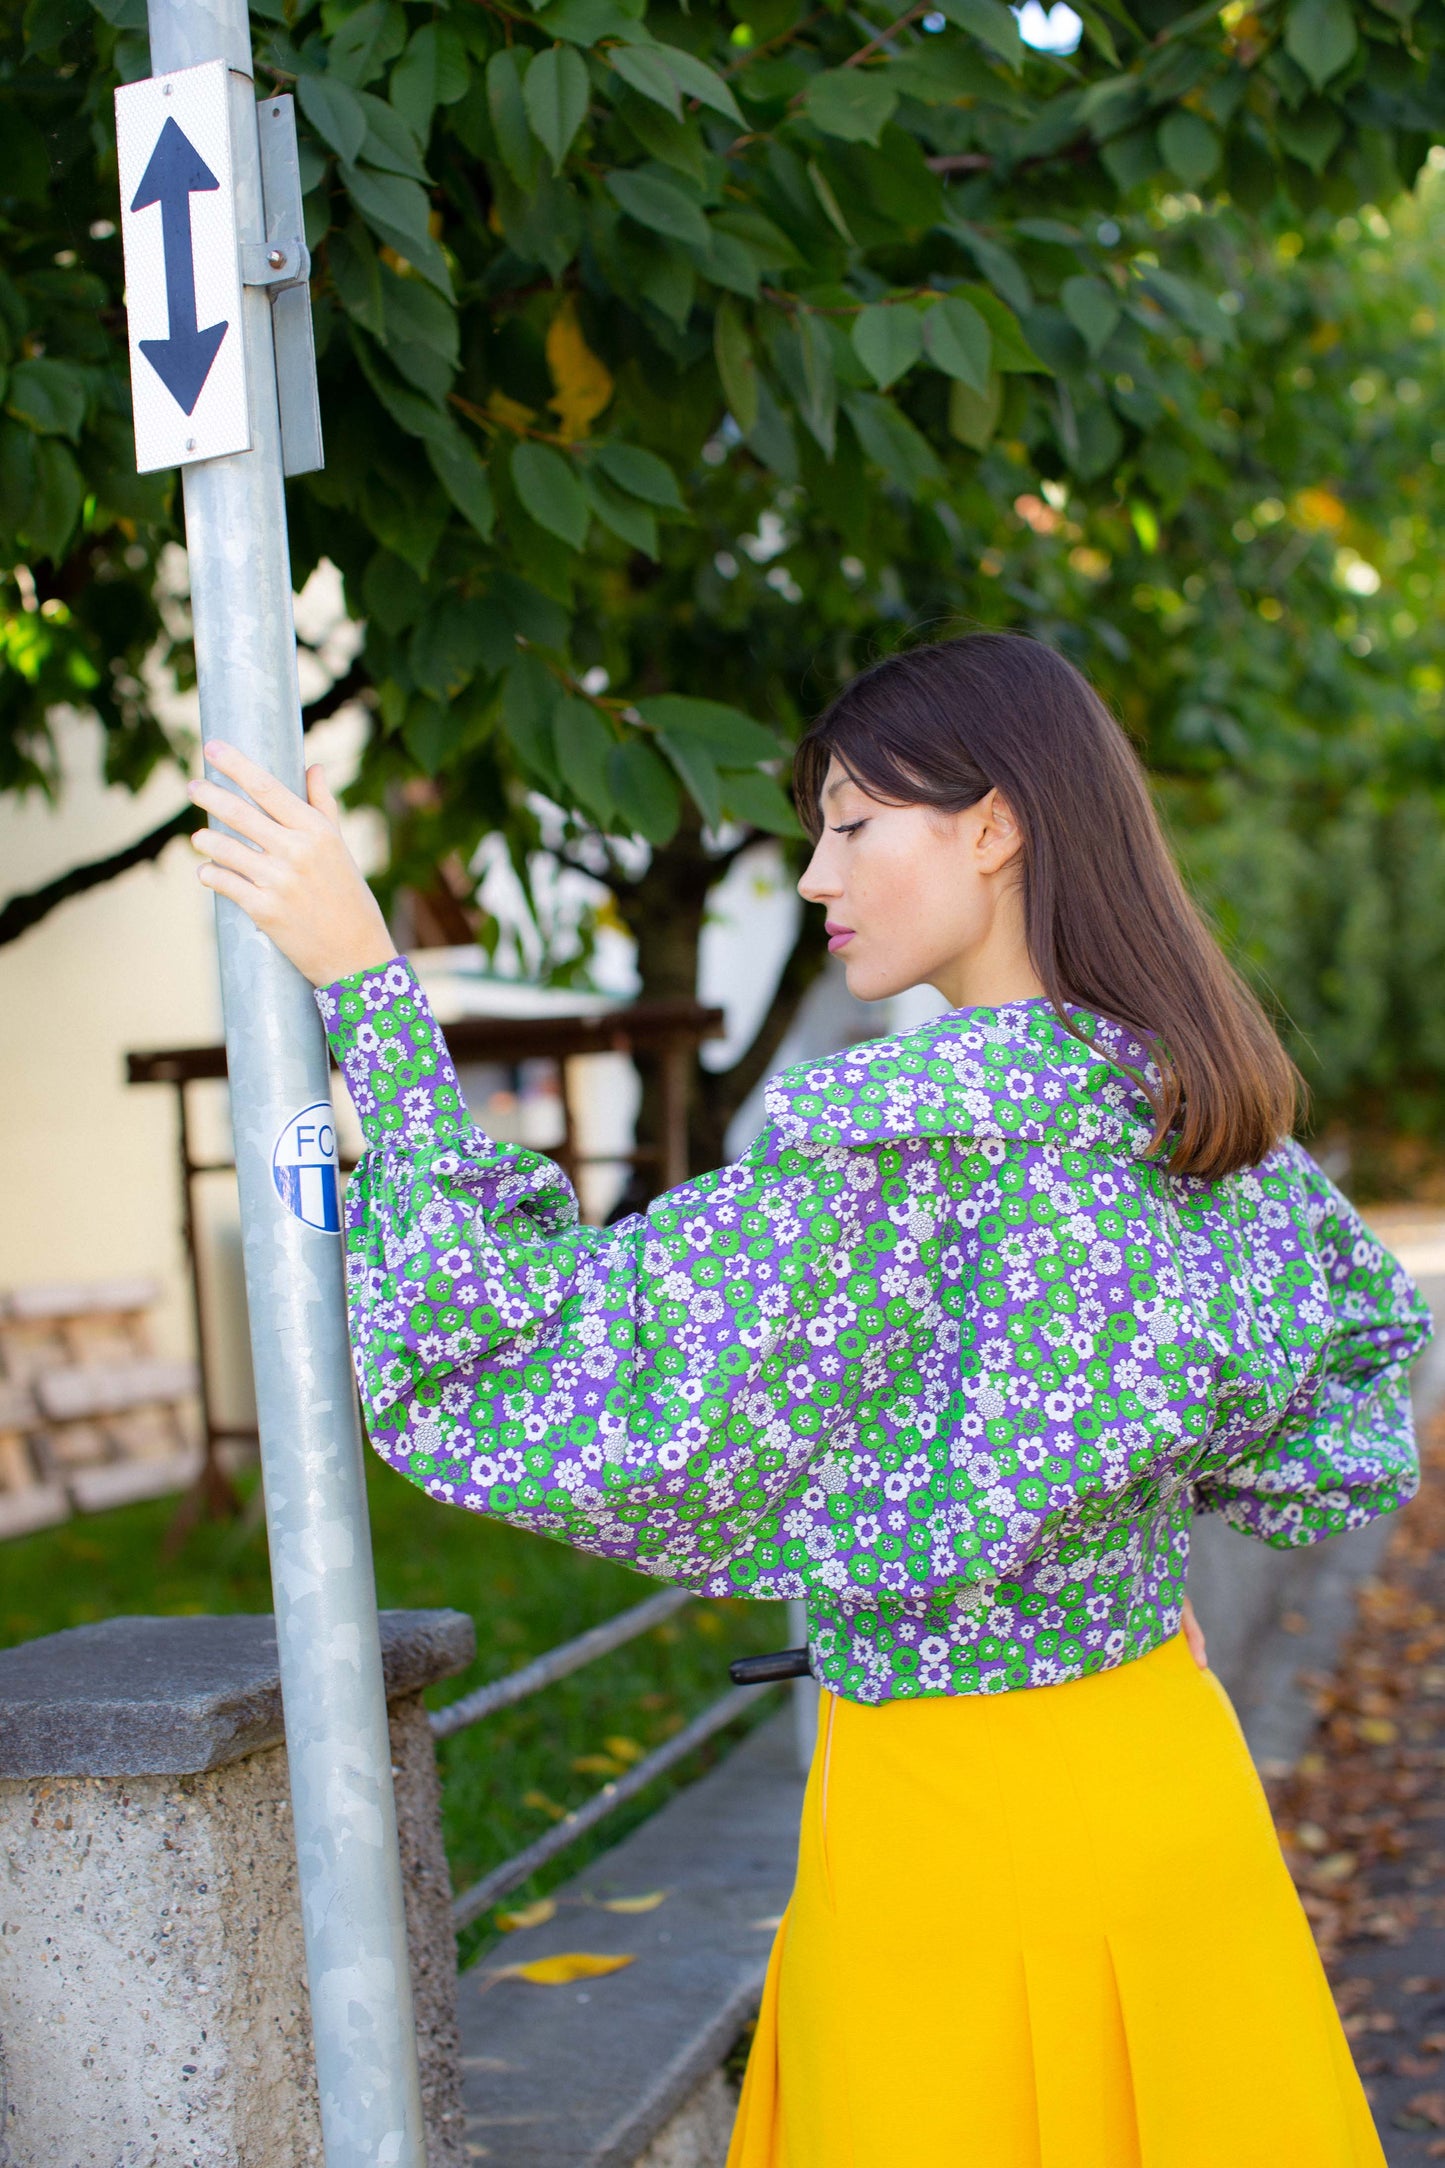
[(560, 1663)]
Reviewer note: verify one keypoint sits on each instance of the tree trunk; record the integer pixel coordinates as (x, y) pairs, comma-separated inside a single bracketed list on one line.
[(664, 912)]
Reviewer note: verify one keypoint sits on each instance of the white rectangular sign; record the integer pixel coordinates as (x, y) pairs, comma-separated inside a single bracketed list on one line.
[(182, 267)]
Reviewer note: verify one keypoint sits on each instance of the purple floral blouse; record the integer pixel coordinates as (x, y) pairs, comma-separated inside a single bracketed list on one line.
[(943, 1354)]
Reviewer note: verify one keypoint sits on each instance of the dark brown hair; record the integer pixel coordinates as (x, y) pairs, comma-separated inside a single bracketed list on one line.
[(1109, 923)]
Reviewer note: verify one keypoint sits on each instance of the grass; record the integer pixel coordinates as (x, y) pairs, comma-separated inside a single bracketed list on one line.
[(505, 1780)]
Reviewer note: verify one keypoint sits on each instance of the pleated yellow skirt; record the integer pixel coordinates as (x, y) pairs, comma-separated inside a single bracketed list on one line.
[(1047, 1929)]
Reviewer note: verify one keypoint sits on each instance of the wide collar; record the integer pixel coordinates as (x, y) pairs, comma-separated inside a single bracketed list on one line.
[(1014, 1073)]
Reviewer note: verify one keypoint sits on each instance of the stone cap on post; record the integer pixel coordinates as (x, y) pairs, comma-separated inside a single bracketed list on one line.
[(133, 1697)]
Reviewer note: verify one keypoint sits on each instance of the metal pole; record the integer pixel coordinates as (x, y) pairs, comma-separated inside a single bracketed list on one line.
[(311, 1454)]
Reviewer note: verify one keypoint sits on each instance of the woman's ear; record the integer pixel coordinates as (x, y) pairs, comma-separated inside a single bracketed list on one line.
[(1000, 837)]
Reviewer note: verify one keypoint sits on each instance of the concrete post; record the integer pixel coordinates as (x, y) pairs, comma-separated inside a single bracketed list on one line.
[(153, 2000)]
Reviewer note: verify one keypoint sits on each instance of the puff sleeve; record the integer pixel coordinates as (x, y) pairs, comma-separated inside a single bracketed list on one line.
[(1343, 1451), (646, 1391)]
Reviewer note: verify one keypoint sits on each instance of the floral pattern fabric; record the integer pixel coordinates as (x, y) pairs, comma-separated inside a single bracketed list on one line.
[(944, 1354)]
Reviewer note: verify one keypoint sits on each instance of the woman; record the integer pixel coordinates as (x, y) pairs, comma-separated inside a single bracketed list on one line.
[(955, 1352)]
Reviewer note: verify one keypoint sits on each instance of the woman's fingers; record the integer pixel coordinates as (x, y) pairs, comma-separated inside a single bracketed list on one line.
[(246, 894), (272, 796), (1194, 1636), (318, 790), (223, 850), (237, 812)]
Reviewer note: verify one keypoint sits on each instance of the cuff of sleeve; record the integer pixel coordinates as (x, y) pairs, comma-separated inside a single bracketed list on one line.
[(391, 1051)]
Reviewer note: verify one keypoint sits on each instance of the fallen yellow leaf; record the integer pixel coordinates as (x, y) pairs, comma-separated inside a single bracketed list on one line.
[(647, 1903), (536, 1914), (1376, 1730), (625, 1749), (568, 1965), (544, 1805), (596, 1765)]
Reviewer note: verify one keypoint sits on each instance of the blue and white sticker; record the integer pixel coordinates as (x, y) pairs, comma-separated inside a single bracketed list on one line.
[(305, 1170)]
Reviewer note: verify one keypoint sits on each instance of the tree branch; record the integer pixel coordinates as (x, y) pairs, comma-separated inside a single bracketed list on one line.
[(23, 912), (352, 682), (724, 1090)]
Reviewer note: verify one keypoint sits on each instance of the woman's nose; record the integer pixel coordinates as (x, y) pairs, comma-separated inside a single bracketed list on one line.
[(814, 885)]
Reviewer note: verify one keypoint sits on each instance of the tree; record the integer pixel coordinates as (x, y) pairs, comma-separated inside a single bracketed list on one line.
[(669, 361)]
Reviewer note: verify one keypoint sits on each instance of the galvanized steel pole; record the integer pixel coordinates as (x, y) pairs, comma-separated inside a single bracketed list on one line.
[(311, 1452)]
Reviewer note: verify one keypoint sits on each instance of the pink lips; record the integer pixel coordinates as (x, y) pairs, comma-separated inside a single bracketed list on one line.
[(838, 937)]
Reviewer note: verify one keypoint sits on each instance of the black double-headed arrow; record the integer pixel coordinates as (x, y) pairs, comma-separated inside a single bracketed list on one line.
[(182, 360)]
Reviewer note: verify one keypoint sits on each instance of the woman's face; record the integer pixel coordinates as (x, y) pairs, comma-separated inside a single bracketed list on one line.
[(916, 897)]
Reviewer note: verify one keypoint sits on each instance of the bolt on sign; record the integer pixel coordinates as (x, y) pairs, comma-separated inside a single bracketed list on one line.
[(182, 267)]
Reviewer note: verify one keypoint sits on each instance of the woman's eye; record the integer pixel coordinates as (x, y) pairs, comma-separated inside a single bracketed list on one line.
[(849, 828)]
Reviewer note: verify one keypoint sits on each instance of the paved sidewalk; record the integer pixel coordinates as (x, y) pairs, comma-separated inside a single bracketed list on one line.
[(1362, 1819)]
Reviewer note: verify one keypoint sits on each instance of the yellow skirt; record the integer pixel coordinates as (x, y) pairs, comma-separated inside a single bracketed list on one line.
[(1047, 1929)]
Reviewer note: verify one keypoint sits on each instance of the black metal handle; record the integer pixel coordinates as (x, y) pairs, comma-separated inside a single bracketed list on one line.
[(762, 1670)]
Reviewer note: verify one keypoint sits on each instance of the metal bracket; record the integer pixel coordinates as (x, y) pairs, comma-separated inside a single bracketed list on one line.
[(282, 263), (275, 263)]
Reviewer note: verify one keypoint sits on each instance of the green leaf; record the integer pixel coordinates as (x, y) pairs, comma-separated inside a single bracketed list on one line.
[(728, 263), (584, 747), (803, 352), (643, 791), (832, 209), (631, 522), (360, 47), (356, 274), (417, 315), (697, 80), (396, 210), (694, 764), (736, 368), (888, 340), (1312, 134), (416, 415), (646, 69), (731, 737), (1100, 442), (665, 278), (641, 473), (1092, 307), (49, 396), (991, 23), (760, 802), (655, 200), (543, 223), (389, 143), (1189, 147), (463, 475), (677, 143), (972, 419), (335, 112), (56, 496), (1193, 305), (1011, 350), (889, 438), (938, 71), (550, 491), (584, 22), (1319, 35), (850, 103), (766, 243), (432, 71), (555, 93), (447, 645), (508, 109), (959, 341), (530, 699)]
